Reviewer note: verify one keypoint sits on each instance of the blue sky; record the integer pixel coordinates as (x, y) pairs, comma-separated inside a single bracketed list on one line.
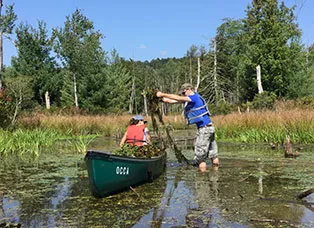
[(144, 29)]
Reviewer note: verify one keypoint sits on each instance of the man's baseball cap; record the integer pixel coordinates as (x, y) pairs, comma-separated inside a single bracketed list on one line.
[(185, 86)]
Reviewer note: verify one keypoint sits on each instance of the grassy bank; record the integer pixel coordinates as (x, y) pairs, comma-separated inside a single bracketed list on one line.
[(268, 126), (249, 127), (35, 133)]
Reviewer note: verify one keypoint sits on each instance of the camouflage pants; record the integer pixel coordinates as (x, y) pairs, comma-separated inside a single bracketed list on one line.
[(205, 144)]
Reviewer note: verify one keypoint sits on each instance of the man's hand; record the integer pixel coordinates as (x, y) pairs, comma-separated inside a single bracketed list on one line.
[(159, 94)]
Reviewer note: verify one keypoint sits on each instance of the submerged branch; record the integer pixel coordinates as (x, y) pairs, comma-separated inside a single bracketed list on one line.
[(305, 193), (138, 195)]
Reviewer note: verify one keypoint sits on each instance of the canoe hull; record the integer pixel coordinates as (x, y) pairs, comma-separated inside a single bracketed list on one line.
[(109, 174)]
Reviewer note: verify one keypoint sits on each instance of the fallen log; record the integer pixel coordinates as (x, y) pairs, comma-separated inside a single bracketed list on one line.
[(305, 193)]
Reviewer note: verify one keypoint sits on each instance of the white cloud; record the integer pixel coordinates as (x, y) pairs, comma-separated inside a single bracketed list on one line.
[(142, 46), (163, 53)]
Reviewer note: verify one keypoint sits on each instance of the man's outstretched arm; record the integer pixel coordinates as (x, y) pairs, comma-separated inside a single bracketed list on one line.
[(172, 98)]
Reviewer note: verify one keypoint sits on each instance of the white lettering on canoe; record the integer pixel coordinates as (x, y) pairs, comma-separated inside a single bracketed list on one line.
[(122, 170)]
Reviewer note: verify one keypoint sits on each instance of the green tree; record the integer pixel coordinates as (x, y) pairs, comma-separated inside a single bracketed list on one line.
[(118, 85), (78, 47), (20, 92), (6, 108), (34, 60), (273, 39), (191, 57), (230, 49), (302, 82), (7, 23)]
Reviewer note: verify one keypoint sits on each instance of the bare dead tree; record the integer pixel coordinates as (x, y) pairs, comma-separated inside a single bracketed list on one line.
[(1, 50), (198, 74), (259, 79)]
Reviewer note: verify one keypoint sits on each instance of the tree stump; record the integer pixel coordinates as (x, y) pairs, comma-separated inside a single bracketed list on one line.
[(289, 150)]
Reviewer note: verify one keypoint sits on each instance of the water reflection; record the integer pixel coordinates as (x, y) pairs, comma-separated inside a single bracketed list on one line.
[(252, 185), (7, 209)]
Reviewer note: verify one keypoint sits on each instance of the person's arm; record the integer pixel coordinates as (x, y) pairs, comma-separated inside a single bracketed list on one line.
[(170, 101), (123, 139), (173, 97), (148, 138)]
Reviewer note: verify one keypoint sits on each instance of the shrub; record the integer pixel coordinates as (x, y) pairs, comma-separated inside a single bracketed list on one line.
[(265, 100), (222, 108), (6, 109), (305, 102)]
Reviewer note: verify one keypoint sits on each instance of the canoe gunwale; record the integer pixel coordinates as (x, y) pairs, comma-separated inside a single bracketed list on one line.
[(97, 154)]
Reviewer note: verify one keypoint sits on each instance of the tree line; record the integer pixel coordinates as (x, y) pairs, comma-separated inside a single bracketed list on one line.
[(69, 68)]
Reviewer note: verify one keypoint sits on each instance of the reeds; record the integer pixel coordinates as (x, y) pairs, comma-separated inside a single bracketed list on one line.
[(41, 131), (30, 142), (267, 126), (80, 143), (83, 125), (249, 127), (80, 124)]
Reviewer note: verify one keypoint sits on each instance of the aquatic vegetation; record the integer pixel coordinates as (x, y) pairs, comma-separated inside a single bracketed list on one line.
[(145, 151), (22, 142), (81, 143), (30, 143), (251, 185)]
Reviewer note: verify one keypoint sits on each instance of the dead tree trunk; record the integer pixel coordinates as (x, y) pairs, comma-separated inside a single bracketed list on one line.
[(1, 50), (47, 99), (19, 99), (198, 74), (191, 80), (75, 91), (259, 79), (289, 150), (215, 71), (132, 97), (1, 56), (145, 104)]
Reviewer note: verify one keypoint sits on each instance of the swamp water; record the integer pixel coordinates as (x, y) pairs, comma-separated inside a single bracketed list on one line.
[(255, 186)]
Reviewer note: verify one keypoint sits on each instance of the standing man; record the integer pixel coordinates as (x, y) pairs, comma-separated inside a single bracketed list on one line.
[(196, 112)]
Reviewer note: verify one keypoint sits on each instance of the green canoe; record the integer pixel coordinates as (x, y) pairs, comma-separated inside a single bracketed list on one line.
[(109, 173)]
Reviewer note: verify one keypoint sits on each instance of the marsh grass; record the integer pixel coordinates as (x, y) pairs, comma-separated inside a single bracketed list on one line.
[(83, 125), (80, 143), (249, 127), (267, 126), (47, 132), (30, 142)]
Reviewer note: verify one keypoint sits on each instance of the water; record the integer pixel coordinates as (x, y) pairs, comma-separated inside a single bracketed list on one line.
[(254, 187)]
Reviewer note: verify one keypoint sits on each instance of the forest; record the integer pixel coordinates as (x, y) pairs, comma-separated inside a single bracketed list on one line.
[(67, 70)]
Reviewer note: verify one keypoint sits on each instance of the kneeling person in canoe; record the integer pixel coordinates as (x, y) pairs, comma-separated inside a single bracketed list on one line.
[(137, 132)]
